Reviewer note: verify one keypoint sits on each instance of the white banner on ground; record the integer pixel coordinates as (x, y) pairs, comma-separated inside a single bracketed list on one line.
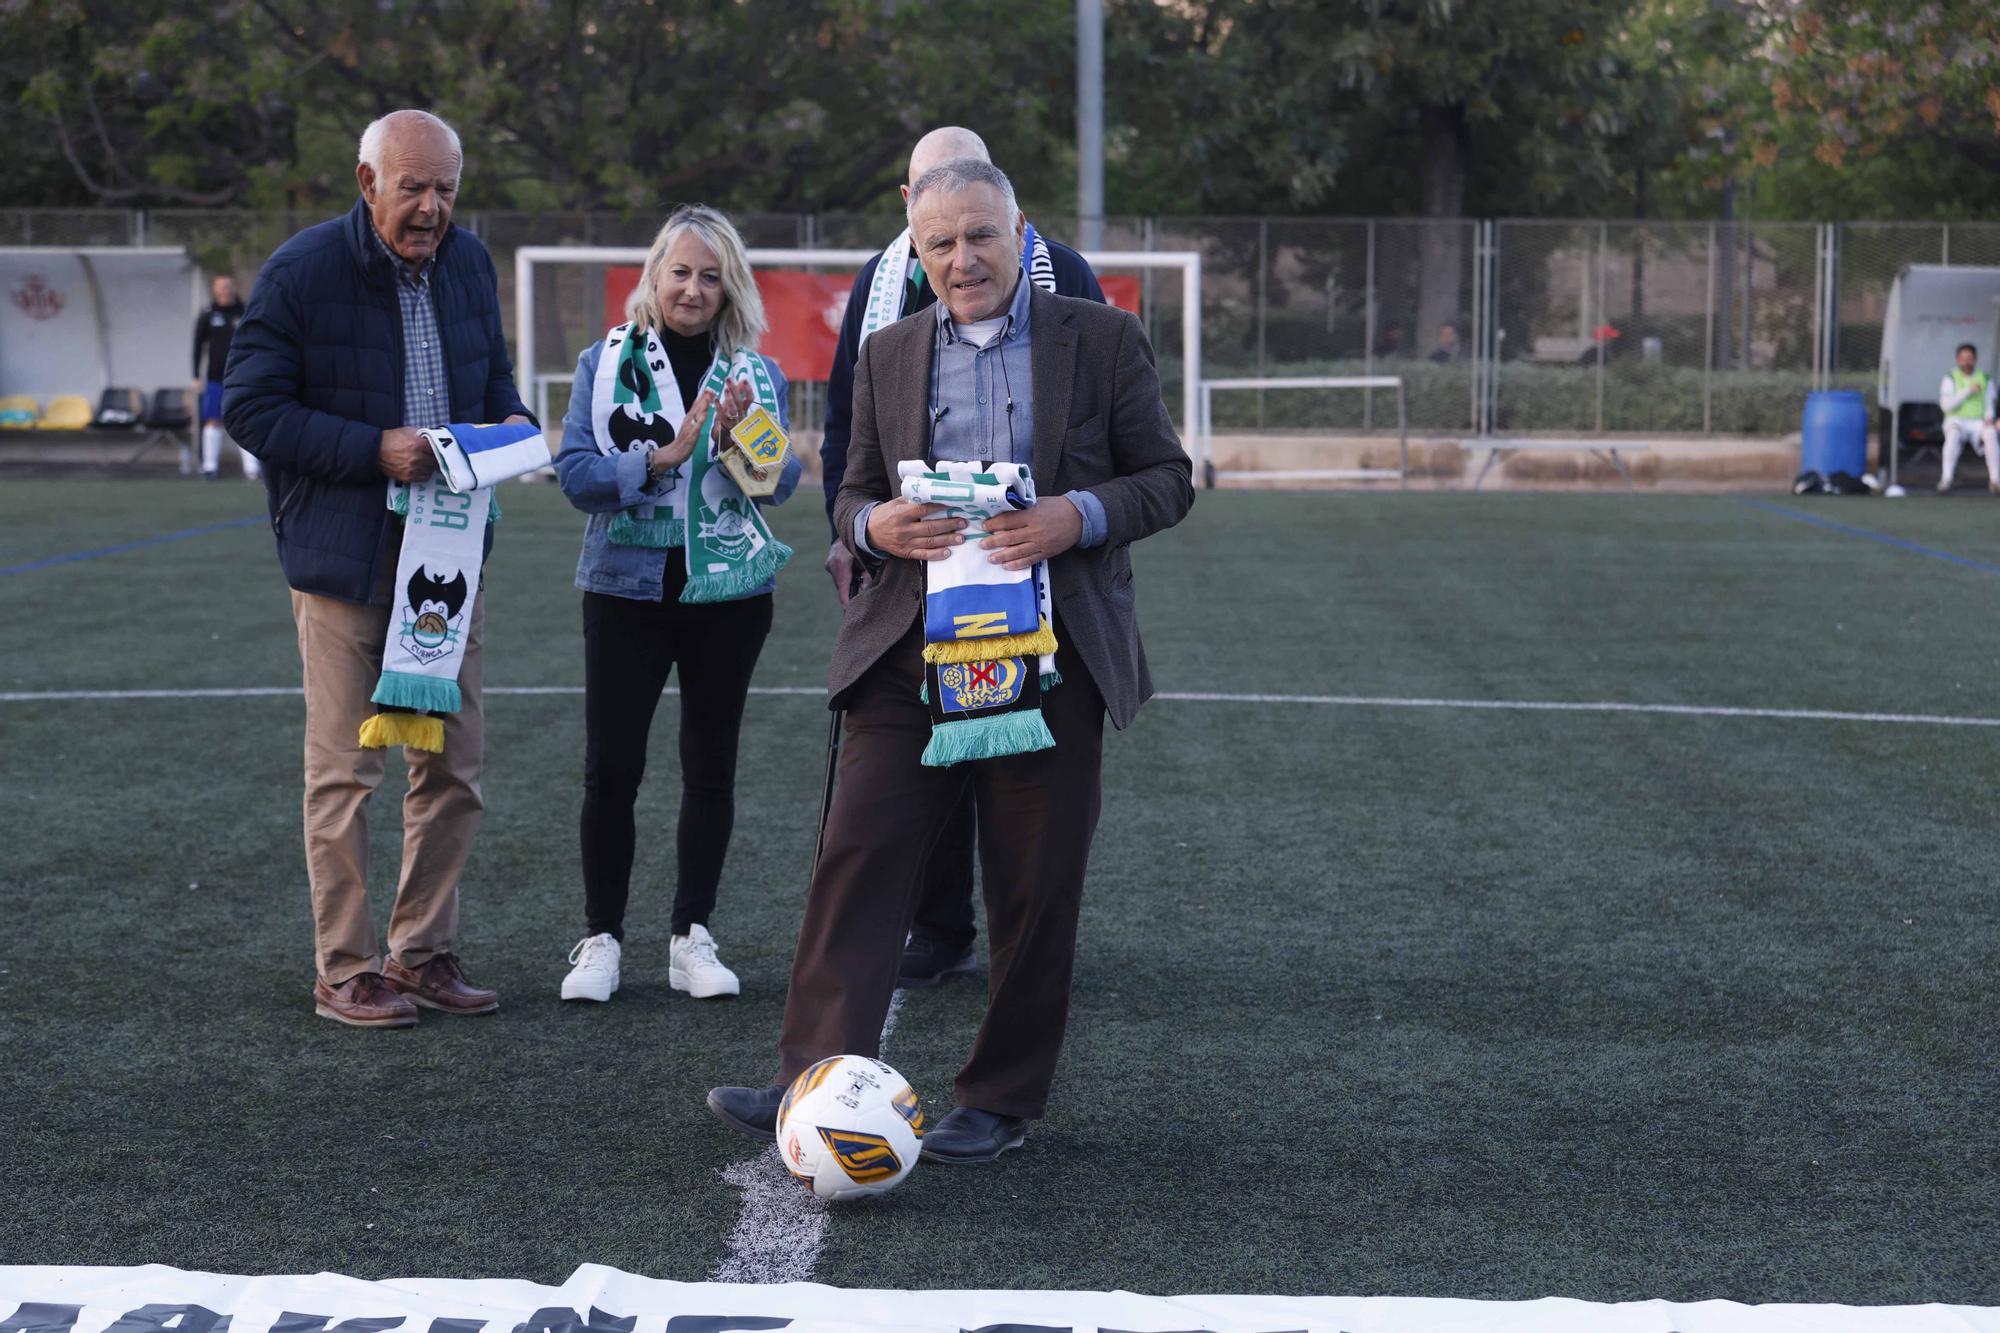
[(596, 1299)]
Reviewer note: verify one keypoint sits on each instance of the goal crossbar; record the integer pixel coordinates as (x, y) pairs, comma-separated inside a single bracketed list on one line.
[(1187, 261)]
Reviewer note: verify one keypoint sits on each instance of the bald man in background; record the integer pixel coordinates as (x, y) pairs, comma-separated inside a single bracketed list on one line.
[(944, 929)]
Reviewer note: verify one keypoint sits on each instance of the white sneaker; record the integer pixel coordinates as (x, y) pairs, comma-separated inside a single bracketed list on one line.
[(595, 974), (693, 967)]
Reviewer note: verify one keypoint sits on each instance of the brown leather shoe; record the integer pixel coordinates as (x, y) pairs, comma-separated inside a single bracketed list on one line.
[(439, 984), (363, 1001)]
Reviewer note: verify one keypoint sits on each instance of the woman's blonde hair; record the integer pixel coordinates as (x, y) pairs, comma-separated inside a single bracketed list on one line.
[(740, 322)]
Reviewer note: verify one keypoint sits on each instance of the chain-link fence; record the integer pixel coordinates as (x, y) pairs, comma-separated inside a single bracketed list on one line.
[(1585, 328)]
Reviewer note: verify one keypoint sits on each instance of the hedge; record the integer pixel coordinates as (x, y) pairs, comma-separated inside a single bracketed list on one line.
[(1638, 397)]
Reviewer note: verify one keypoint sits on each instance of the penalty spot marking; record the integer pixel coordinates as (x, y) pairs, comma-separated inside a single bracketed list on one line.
[(781, 1228), (1166, 696)]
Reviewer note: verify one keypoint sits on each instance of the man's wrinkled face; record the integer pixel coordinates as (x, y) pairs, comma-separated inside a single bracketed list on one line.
[(1968, 360), (410, 202), (970, 247)]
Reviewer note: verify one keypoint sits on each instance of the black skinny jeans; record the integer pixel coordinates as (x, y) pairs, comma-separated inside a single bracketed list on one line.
[(629, 649)]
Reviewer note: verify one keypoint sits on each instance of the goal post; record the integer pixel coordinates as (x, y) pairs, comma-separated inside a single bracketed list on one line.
[(529, 258), (1205, 460)]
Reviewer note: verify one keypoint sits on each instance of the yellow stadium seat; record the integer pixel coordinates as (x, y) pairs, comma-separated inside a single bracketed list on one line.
[(68, 412), (18, 412)]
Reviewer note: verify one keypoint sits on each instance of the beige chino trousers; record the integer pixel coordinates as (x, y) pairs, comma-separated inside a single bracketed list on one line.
[(340, 647)]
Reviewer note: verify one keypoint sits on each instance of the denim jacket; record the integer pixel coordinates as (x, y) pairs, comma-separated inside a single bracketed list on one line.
[(602, 486)]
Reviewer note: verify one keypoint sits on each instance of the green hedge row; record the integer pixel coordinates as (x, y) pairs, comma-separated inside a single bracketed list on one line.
[(1638, 397)]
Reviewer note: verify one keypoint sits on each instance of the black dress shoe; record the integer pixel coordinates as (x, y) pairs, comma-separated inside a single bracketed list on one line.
[(970, 1135), (928, 960), (752, 1111)]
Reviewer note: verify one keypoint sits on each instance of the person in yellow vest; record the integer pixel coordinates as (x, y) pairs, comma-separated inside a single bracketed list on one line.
[(1967, 395)]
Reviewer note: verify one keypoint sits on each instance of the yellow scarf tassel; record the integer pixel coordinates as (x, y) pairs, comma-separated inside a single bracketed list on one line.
[(414, 731), (1041, 641)]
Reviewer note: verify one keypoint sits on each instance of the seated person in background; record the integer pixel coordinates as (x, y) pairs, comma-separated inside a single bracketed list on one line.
[(1966, 395), (1446, 351)]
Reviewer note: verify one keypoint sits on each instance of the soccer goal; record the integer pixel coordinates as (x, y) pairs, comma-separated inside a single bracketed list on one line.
[(568, 295)]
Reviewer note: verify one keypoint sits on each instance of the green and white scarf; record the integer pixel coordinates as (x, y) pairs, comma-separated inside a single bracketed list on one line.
[(437, 577), (729, 548)]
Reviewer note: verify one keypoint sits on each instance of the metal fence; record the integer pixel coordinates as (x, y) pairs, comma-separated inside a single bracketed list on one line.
[(1511, 327)]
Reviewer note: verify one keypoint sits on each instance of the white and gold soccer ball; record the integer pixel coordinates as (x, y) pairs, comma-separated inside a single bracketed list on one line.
[(850, 1127)]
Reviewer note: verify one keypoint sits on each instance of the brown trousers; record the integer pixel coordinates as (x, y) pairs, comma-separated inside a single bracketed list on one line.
[(340, 646), (1036, 813)]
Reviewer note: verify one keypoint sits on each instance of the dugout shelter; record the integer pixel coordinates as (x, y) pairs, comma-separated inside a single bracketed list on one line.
[(1932, 309), (95, 342)]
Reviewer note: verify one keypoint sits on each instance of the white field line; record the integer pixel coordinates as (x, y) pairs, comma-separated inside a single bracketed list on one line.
[(1167, 696), (781, 1229)]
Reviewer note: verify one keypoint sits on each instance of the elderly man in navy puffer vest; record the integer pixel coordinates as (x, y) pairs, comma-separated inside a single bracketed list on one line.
[(360, 332)]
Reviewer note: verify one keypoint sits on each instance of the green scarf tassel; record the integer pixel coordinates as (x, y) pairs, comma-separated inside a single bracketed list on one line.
[(991, 737), (658, 532), (428, 694), (741, 581)]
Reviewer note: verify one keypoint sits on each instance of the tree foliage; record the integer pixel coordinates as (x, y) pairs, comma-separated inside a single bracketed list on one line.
[(1509, 107)]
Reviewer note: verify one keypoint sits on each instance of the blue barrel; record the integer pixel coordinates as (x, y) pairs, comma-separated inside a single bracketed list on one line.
[(1833, 436)]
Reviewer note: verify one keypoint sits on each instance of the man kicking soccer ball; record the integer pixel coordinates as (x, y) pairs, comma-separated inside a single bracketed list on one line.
[(1055, 400)]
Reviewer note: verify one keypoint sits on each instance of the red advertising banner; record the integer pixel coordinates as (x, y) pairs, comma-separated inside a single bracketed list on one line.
[(804, 311)]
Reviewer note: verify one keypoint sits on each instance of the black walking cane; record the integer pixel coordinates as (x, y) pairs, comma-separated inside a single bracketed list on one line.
[(833, 729), (839, 716)]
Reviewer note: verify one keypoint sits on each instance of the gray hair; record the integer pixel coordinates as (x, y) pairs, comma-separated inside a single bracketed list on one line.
[(956, 175), (377, 134)]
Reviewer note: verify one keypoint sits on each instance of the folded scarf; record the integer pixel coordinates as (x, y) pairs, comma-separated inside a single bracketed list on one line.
[(471, 457), (729, 549), (437, 577), (983, 624)]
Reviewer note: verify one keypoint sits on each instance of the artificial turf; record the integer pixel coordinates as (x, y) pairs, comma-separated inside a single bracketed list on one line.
[(1369, 1001)]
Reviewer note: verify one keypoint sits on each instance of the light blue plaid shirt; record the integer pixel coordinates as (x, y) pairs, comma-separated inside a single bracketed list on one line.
[(426, 396)]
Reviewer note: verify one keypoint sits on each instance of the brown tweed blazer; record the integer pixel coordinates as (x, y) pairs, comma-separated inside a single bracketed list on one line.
[(1099, 425)]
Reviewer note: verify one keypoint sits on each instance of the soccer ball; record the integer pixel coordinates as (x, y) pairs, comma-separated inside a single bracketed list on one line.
[(850, 1127)]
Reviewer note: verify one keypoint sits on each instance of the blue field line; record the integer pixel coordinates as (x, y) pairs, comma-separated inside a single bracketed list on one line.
[(74, 556), (1983, 566)]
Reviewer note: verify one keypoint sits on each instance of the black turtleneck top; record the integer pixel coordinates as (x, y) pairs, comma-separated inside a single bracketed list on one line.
[(690, 359)]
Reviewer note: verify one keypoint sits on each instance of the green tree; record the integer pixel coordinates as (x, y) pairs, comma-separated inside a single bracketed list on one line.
[(768, 105)]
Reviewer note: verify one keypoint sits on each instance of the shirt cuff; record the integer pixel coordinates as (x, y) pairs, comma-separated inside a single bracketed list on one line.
[(1092, 509), (861, 531)]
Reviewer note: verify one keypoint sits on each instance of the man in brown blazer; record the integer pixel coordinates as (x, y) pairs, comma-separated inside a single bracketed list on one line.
[(997, 371)]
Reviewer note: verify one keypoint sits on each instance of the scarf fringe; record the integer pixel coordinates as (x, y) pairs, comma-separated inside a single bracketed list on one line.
[(1039, 644), (429, 694), (657, 532), (413, 731), (741, 581), (987, 738), (1050, 679)]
